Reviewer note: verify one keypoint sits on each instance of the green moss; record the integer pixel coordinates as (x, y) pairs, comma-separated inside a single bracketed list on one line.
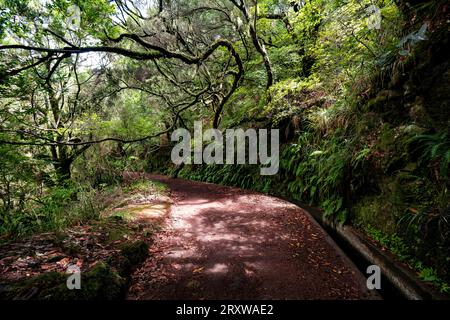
[(114, 228), (101, 283), (123, 214), (145, 186), (136, 252), (35, 288), (376, 211)]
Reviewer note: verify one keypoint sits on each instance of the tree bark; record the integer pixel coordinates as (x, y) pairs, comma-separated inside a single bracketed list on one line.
[(259, 45)]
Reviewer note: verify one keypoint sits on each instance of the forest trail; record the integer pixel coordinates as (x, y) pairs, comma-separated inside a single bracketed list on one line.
[(228, 243)]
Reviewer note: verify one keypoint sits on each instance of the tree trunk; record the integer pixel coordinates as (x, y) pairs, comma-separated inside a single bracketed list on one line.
[(259, 46), (63, 170)]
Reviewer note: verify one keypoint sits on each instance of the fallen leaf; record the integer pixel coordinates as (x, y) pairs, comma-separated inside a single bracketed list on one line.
[(198, 270), (63, 262)]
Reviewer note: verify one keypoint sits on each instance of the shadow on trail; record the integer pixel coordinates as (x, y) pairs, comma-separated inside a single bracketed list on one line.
[(228, 243)]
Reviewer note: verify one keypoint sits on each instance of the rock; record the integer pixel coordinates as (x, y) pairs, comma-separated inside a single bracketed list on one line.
[(136, 252), (101, 283), (412, 129)]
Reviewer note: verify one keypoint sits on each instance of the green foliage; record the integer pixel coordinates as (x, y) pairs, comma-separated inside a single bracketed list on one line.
[(242, 176), (31, 14), (434, 148), (405, 253), (316, 173), (62, 206), (100, 167)]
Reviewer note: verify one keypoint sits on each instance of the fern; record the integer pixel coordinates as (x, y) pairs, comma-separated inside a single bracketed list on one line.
[(434, 147)]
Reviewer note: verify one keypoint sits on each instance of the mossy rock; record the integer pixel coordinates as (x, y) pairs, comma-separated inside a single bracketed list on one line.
[(136, 252), (122, 264), (34, 288), (394, 144), (101, 283), (376, 211)]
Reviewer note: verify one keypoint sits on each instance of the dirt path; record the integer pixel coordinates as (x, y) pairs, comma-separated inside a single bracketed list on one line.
[(227, 243)]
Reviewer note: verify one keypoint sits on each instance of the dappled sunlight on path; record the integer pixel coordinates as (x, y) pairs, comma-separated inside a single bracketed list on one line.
[(228, 243)]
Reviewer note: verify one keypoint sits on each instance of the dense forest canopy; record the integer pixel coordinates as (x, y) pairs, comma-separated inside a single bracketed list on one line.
[(359, 89)]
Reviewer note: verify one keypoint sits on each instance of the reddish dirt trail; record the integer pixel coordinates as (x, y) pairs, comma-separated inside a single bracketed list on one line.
[(228, 243)]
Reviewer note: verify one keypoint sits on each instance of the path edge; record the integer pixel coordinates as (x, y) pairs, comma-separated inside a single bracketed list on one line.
[(408, 284)]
